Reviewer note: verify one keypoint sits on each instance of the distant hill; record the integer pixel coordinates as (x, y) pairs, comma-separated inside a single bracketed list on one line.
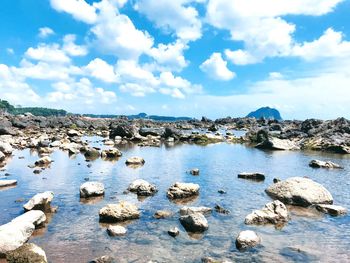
[(142, 116), (265, 112)]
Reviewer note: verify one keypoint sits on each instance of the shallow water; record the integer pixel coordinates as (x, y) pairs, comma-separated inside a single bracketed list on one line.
[(74, 233)]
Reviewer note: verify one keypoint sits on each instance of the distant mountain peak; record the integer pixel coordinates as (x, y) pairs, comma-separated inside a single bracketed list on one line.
[(265, 112)]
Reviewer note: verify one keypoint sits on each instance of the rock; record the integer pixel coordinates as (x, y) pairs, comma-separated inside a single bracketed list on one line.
[(221, 191), (6, 183), (273, 213), (55, 144), (252, 176), (300, 191), (72, 133), (276, 180), (221, 210), (44, 161), (13, 235), (103, 259), (90, 189), (173, 232), (119, 212), (277, 144), (2, 156), (28, 253), (182, 190), (41, 201), (116, 230), (151, 131), (194, 171), (161, 214), (195, 222), (135, 161), (247, 239), (324, 164), (35, 217), (213, 128), (333, 210), (142, 188), (91, 153), (187, 210), (6, 148), (124, 130), (112, 153)]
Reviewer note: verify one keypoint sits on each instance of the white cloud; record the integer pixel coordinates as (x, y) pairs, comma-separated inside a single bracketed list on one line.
[(47, 53), (216, 68), (240, 57), (71, 48), (136, 90), (79, 9), (45, 32), (101, 70), (175, 16), (10, 51)]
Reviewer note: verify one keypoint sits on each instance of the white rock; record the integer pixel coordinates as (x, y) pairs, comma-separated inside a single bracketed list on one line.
[(89, 189), (182, 190), (135, 161), (6, 183), (35, 217), (273, 213), (187, 210), (116, 230), (334, 210), (6, 148), (41, 201), (119, 212), (195, 222), (324, 164), (142, 188), (247, 239), (27, 253), (46, 160)]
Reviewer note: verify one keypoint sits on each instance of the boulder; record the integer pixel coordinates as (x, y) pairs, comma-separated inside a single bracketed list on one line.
[(273, 213), (194, 171), (35, 217), (252, 176), (103, 259), (174, 231), (300, 191), (6, 148), (273, 143), (324, 164), (247, 239), (195, 222), (28, 253), (135, 161), (221, 210), (2, 156), (187, 210), (119, 212), (333, 210), (161, 214), (116, 230), (7, 183), (142, 188), (124, 130), (44, 161), (112, 153), (13, 235), (90, 189), (182, 190), (151, 131), (41, 201), (73, 133), (91, 153)]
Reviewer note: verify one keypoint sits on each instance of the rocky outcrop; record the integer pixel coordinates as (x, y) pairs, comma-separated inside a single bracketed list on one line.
[(182, 190), (324, 164), (300, 191), (277, 144), (273, 213), (142, 188), (195, 222), (124, 130), (41, 201), (119, 212), (247, 239), (28, 253), (90, 189)]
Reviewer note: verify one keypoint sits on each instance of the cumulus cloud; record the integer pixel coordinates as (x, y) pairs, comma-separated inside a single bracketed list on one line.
[(47, 53), (71, 48), (101, 70), (79, 9), (45, 32), (216, 68)]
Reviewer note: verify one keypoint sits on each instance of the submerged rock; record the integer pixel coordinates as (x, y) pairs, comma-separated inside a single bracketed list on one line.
[(6, 183), (142, 188), (112, 153), (116, 230), (194, 171), (333, 210), (247, 239), (187, 210), (41, 201), (324, 164), (91, 153), (28, 253), (300, 191), (273, 213), (252, 176), (90, 189), (161, 214), (195, 222), (182, 190), (174, 231), (119, 212), (44, 161), (221, 210)]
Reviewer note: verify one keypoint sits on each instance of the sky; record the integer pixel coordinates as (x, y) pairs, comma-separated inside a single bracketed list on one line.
[(213, 58)]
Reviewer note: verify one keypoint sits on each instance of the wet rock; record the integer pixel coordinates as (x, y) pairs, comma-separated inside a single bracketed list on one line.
[(213, 128), (252, 176), (182, 190), (2, 156), (273, 213), (72, 133), (6, 183), (195, 222), (194, 171), (28, 253), (103, 259), (247, 239), (41, 201), (187, 210), (124, 130), (44, 161), (333, 210), (221, 191), (142, 188), (272, 143), (324, 164), (212, 260), (6, 148), (161, 214), (219, 209), (90, 189), (151, 131), (119, 212), (13, 235), (135, 161), (174, 231), (276, 180), (35, 217), (300, 191), (112, 153), (116, 230), (91, 153)]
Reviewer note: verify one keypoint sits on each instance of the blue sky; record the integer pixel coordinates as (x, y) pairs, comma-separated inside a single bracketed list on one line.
[(188, 57)]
